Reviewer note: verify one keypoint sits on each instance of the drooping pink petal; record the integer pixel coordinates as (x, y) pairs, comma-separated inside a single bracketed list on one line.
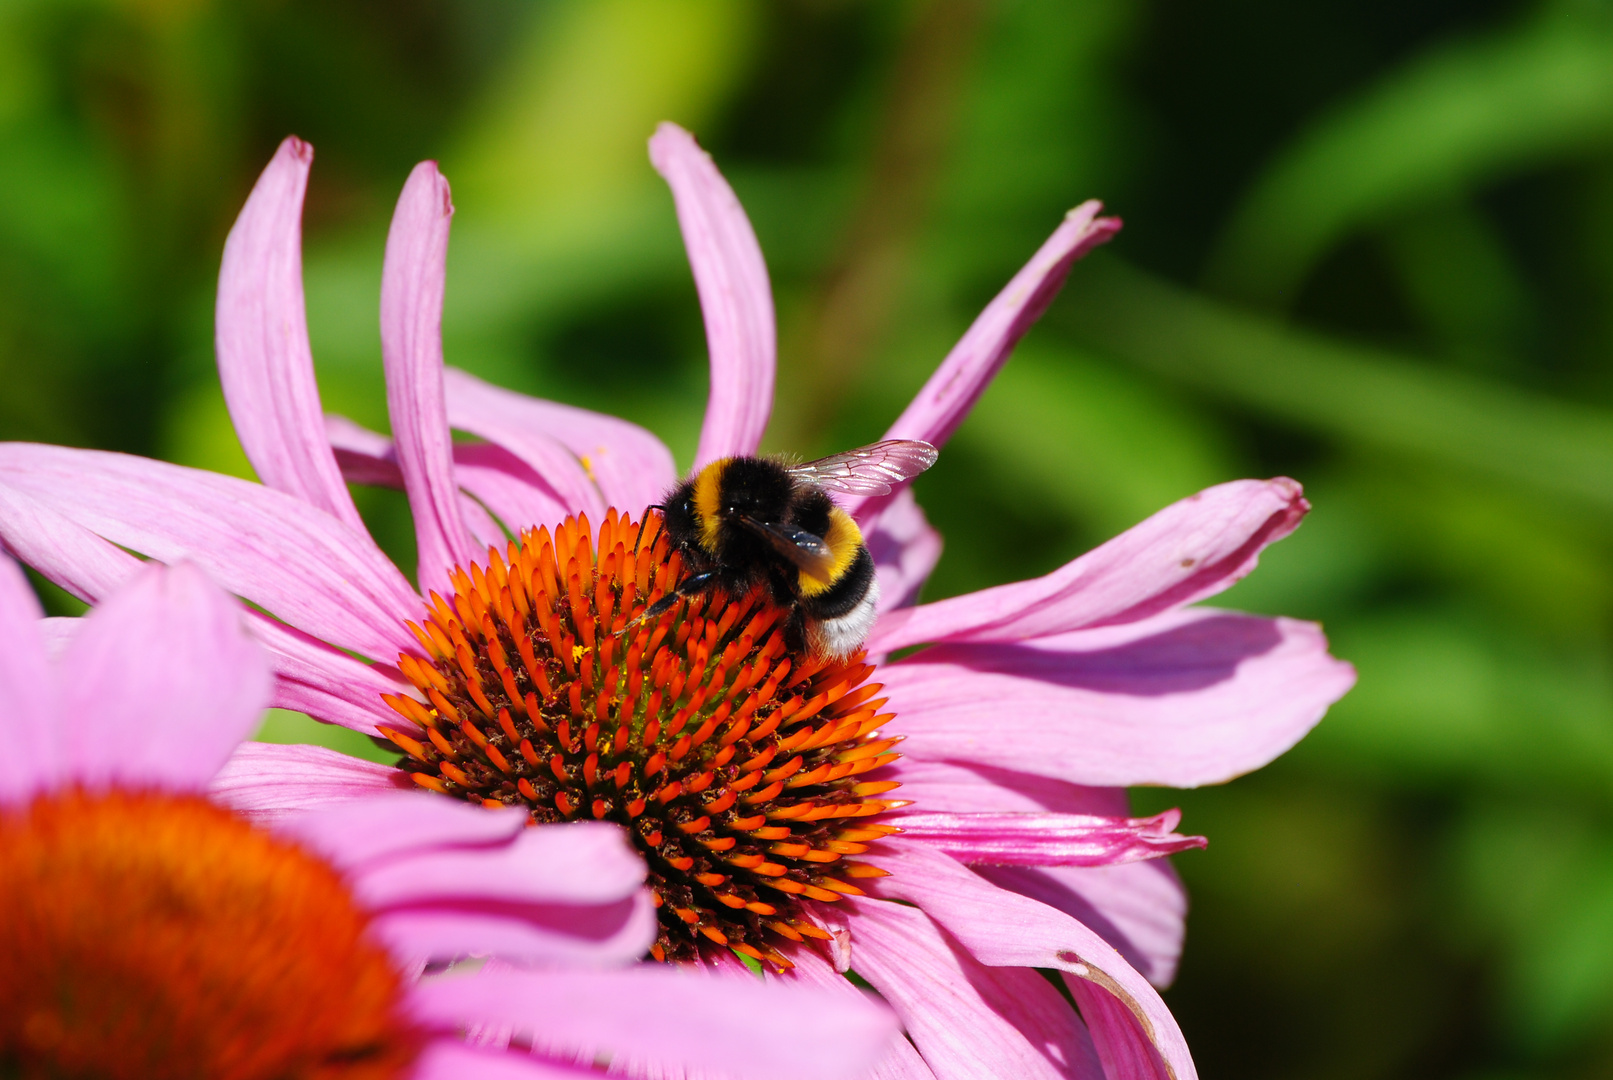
[(325, 682), (969, 787), (943, 402), (901, 1061), (735, 1025), (412, 281), (30, 708), (489, 476), (1120, 1036), (968, 1020), (385, 825), (591, 935), (611, 462), (298, 563), (1190, 697), (449, 1058), (261, 332), (735, 296), (65, 552), (1005, 930), (1139, 908), (1188, 551), (268, 781), (1043, 839), (905, 550), (165, 683), (310, 676), (578, 863), (446, 878)]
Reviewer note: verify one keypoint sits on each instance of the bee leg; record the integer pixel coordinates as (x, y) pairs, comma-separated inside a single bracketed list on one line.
[(795, 633), (689, 586)]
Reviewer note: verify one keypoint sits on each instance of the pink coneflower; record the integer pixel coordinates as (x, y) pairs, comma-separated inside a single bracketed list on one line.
[(146, 932), (756, 783)]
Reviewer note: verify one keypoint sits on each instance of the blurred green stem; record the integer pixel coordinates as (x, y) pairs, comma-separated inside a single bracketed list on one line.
[(1370, 396)]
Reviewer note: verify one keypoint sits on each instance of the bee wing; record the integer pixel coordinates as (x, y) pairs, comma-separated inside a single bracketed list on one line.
[(867, 470), (808, 551)]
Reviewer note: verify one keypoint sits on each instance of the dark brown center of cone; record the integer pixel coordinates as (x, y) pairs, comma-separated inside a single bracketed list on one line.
[(734, 764)]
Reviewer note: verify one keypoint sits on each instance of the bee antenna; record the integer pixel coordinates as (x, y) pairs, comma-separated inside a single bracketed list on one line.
[(639, 539)]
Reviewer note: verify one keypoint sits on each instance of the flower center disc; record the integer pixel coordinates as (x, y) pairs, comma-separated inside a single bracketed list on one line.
[(145, 935), (734, 765)]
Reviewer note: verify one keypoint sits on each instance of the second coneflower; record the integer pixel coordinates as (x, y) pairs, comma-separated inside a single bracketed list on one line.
[(756, 783)]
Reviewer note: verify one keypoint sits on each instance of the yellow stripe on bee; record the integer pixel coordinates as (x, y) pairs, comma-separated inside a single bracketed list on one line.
[(708, 502), (844, 540)]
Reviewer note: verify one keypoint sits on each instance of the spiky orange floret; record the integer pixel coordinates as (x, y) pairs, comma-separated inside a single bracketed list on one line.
[(145, 935), (735, 765)]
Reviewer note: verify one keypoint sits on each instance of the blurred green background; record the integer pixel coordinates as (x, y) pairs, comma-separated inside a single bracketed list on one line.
[(1369, 244)]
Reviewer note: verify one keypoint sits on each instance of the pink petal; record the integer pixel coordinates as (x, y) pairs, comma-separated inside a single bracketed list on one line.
[(733, 1024), (488, 476), (968, 1020), (1139, 908), (65, 552), (1190, 697), (165, 683), (455, 878), (1043, 839), (1120, 1036), (30, 710), (974, 361), (489, 413), (508, 487), (901, 1061), (262, 335), (480, 525), (391, 824), (582, 863), (905, 550), (310, 676), (448, 1058), (590, 935), (1188, 551), (297, 562), (618, 461), (267, 781), (1005, 930), (56, 632), (412, 282), (964, 787), (735, 296), (325, 682)]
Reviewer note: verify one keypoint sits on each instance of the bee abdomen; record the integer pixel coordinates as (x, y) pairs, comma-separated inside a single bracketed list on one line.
[(839, 618)]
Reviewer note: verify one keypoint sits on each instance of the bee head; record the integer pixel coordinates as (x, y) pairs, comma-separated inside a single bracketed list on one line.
[(695, 508), (680, 518)]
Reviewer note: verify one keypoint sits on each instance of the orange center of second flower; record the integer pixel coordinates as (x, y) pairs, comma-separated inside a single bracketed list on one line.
[(734, 764), (155, 936)]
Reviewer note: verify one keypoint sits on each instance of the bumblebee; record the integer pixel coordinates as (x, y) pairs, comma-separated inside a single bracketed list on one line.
[(744, 522)]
